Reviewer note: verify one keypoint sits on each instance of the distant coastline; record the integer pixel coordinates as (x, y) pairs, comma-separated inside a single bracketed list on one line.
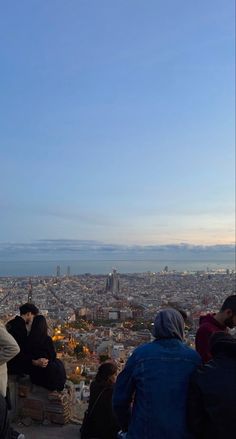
[(104, 266)]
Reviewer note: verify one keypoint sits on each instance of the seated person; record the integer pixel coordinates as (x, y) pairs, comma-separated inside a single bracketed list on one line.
[(17, 327), (40, 347)]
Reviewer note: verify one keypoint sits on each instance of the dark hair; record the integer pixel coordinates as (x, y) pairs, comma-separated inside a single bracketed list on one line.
[(230, 303), (28, 307), (105, 371), (183, 314), (39, 329)]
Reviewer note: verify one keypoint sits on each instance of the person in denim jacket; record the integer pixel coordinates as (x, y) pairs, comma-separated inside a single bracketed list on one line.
[(150, 394)]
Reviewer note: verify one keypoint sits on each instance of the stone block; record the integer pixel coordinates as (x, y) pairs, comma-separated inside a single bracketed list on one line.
[(36, 415), (39, 404), (57, 418), (33, 404), (23, 391)]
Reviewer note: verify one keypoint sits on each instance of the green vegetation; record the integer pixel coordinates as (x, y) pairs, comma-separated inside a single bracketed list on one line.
[(79, 351)]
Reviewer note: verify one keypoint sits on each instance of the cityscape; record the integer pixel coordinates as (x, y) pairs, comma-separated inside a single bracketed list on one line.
[(93, 318), (117, 210)]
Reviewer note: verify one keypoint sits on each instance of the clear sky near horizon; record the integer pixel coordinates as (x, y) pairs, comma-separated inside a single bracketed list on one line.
[(117, 121)]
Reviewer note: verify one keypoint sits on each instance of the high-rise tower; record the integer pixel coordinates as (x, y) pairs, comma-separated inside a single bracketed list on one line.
[(30, 292), (113, 282)]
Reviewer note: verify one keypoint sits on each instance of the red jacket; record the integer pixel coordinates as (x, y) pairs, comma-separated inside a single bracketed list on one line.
[(208, 326)]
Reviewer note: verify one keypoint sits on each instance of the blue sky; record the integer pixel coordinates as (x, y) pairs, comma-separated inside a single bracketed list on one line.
[(117, 121)]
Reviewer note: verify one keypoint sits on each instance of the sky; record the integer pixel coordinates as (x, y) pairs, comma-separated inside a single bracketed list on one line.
[(117, 121)]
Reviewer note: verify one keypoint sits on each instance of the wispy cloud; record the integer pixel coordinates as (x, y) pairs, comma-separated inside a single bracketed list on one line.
[(70, 248)]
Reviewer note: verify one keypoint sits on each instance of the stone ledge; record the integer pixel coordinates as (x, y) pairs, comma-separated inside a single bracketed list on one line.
[(52, 431), (39, 404)]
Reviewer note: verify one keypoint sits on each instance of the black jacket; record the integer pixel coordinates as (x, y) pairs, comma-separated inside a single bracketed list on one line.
[(21, 362), (52, 377), (17, 328), (101, 423), (211, 411)]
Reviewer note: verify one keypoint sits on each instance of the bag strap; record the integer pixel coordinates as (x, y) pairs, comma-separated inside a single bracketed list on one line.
[(95, 403)]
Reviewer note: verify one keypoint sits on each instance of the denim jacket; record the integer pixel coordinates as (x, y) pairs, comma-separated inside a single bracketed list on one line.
[(154, 383)]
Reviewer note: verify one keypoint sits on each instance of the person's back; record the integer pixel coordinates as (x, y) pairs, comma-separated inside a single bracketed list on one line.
[(18, 329), (157, 376), (39, 345), (212, 392), (100, 421)]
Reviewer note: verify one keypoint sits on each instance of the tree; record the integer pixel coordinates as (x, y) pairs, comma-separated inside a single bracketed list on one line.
[(79, 351), (59, 345)]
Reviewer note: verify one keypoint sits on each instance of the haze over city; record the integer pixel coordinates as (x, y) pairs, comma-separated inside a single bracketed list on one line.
[(117, 127)]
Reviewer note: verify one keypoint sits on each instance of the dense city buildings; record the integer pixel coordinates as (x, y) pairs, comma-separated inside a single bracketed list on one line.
[(95, 317)]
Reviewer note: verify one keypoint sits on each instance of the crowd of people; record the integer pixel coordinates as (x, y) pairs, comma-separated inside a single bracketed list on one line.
[(166, 390)]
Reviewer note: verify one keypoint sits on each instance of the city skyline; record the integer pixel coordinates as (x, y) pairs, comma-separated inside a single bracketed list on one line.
[(118, 122)]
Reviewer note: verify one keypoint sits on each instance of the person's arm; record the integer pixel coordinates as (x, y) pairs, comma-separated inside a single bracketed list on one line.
[(123, 394), (18, 332), (51, 349), (8, 346), (202, 343), (196, 416)]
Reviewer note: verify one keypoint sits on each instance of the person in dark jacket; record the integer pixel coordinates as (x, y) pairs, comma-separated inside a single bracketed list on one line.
[(211, 323), (40, 346), (100, 421), (211, 407), (150, 393), (17, 327)]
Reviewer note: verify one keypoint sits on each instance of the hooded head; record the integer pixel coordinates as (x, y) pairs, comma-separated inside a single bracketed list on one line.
[(169, 323)]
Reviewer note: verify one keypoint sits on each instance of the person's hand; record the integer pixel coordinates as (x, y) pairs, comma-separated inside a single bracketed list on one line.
[(40, 362)]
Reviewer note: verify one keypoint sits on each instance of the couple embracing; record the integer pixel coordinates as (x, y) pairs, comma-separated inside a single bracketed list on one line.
[(37, 356)]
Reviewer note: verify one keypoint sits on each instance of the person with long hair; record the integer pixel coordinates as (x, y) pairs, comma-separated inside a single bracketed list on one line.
[(51, 374), (99, 420)]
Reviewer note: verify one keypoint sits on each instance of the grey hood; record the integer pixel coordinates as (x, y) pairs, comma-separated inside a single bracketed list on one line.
[(169, 324)]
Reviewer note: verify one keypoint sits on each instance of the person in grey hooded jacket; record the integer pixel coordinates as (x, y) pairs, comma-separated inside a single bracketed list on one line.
[(150, 394), (8, 350)]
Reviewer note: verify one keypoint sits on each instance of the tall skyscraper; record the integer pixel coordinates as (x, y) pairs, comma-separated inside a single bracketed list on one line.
[(30, 292), (58, 271), (113, 282), (68, 271)]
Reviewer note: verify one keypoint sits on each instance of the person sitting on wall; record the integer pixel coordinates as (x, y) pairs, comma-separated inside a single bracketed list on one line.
[(39, 346), (19, 328)]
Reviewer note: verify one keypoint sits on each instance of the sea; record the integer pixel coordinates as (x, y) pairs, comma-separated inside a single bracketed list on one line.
[(49, 268)]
